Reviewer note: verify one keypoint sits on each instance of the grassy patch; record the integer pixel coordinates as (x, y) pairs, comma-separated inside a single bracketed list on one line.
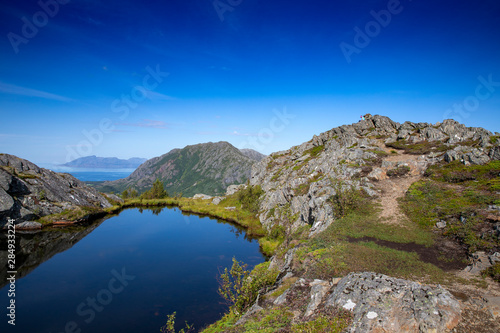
[(271, 321), (279, 319), (419, 148), (70, 215), (315, 151), (379, 153), (332, 253), (326, 323), (457, 194), (364, 222)]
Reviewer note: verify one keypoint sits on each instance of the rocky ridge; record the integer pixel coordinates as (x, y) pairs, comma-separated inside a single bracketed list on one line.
[(28, 192), (298, 186), (299, 182)]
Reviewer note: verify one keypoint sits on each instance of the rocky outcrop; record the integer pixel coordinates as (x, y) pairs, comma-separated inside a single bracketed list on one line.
[(300, 182), (374, 302), (28, 192), (480, 261), (380, 303), (204, 168)]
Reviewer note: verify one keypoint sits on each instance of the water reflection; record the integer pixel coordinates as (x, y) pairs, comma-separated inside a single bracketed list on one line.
[(174, 258)]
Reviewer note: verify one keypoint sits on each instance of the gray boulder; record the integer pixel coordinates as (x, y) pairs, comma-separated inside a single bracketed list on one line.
[(232, 189), (202, 196), (380, 303)]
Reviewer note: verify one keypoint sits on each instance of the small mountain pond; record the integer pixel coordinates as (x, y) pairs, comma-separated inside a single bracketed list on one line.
[(122, 274)]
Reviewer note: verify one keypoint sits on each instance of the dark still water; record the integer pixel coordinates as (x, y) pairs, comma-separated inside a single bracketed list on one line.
[(126, 275)]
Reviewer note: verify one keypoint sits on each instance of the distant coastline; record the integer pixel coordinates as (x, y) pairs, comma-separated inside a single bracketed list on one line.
[(94, 162)]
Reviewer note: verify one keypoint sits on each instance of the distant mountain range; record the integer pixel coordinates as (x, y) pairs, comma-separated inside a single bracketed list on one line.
[(207, 168), (105, 162)]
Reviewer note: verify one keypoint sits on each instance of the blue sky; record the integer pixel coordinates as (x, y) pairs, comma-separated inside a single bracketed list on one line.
[(125, 78)]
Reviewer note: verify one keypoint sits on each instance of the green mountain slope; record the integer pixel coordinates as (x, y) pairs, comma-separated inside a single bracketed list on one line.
[(203, 168)]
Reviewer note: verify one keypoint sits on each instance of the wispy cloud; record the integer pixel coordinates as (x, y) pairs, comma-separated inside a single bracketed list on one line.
[(23, 91), (147, 123)]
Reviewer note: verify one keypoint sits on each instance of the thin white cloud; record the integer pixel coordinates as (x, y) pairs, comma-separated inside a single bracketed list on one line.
[(23, 91)]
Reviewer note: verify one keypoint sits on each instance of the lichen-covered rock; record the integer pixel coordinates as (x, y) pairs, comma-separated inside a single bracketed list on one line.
[(380, 303)]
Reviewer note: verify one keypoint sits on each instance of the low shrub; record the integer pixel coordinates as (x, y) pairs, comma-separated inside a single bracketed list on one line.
[(239, 287), (399, 171), (250, 198)]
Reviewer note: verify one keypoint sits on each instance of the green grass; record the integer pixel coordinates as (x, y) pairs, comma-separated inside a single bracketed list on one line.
[(419, 148), (457, 194), (334, 252), (364, 222), (279, 319), (315, 151), (379, 153), (71, 215)]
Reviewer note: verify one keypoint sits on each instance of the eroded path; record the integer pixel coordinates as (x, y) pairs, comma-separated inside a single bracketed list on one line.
[(391, 189)]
